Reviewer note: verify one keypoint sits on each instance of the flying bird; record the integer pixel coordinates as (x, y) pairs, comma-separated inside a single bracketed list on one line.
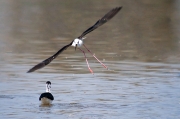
[(78, 42)]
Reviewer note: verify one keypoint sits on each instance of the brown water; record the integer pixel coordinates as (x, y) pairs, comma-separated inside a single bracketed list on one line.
[(140, 45)]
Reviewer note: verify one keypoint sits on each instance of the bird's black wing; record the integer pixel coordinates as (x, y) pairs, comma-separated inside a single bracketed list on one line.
[(101, 21), (48, 60)]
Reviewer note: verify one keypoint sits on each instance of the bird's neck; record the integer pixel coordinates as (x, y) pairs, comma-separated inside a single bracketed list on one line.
[(47, 88)]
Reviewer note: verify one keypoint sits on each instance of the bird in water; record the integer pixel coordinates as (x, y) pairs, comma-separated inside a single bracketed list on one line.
[(46, 98), (78, 42)]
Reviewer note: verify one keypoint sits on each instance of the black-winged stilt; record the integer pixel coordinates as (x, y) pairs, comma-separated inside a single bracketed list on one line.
[(46, 98), (78, 42)]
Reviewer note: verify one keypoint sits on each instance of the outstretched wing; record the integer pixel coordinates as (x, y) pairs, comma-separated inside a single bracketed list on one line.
[(48, 60), (101, 21)]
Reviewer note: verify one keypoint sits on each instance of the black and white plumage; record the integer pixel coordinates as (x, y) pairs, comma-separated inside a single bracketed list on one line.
[(46, 98), (78, 42)]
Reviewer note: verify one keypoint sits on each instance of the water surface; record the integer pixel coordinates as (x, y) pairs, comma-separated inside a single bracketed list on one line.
[(140, 46)]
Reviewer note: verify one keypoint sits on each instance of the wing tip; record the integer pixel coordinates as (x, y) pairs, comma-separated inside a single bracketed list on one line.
[(38, 66), (118, 8), (31, 70)]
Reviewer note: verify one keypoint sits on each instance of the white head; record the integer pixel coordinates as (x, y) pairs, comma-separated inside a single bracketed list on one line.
[(77, 42), (48, 86)]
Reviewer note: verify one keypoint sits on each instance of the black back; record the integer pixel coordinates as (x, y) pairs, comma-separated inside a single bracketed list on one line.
[(46, 95)]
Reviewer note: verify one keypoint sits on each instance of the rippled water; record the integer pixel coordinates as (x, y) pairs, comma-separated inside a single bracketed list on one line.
[(140, 46)]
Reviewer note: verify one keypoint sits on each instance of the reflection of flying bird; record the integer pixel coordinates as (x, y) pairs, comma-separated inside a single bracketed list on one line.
[(78, 42), (46, 98)]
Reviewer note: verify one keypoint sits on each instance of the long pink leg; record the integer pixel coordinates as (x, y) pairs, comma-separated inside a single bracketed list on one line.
[(96, 57), (87, 61)]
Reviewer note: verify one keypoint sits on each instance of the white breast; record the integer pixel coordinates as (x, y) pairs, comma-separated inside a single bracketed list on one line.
[(77, 42), (45, 101)]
